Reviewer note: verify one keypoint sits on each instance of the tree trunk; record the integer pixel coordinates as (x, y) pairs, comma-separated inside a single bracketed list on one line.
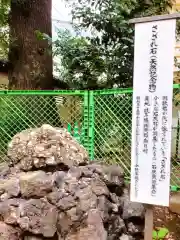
[(31, 65)]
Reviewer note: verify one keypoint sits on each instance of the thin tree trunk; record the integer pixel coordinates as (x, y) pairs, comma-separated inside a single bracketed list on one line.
[(31, 65)]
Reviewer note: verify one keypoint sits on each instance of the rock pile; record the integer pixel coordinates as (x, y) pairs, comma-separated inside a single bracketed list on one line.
[(50, 191)]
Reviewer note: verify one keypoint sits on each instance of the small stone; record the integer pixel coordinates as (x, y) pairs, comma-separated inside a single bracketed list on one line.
[(93, 231), (131, 209), (99, 187), (56, 196), (66, 203), (134, 228), (87, 172), (88, 203), (35, 183), (117, 226), (75, 214), (85, 192), (32, 238), (38, 162), (10, 187), (4, 170), (64, 223), (59, 178), (38, 216), (116, 199), (9, 233), (126, 237), (9, 210), (26, 163), (51, 161), (104, 206), (75, 172)]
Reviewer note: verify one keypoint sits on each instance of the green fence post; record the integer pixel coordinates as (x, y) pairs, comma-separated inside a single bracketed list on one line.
[(76, 132), (91, 125), (69, 128), (85, 125), (82, 135)]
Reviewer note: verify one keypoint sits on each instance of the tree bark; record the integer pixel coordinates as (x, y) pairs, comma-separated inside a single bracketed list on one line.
[(30, 64)]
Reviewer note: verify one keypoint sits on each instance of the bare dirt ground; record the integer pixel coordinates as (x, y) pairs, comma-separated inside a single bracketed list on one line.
[(164, 218)]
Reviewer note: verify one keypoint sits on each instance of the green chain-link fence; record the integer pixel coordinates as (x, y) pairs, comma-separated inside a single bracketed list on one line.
[(111, 129), (175, 173), (20, 110), (100, 120)]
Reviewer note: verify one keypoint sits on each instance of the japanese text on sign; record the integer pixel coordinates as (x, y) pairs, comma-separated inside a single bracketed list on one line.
[(153, 59), (152, 112)]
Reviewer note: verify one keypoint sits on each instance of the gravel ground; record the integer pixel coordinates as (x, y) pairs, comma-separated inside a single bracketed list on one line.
[(164, 218)]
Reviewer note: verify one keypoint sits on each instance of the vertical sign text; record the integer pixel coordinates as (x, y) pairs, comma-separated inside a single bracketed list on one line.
[(152, 112)]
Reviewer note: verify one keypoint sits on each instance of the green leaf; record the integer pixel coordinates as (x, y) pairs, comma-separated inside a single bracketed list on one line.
[(162, 233), (43, 36), (155, 235), (39, 35)]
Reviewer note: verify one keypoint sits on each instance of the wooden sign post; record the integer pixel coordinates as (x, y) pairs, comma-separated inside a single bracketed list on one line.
[(148, 222), (152, 113)]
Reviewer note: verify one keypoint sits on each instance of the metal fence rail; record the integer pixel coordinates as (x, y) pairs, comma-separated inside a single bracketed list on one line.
[(100, 120)]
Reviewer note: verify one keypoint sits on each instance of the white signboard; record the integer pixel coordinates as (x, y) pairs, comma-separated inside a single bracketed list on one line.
[(152, 112)]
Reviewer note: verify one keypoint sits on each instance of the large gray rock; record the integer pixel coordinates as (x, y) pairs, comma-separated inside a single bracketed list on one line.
[(45, 146), (50, 191)]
